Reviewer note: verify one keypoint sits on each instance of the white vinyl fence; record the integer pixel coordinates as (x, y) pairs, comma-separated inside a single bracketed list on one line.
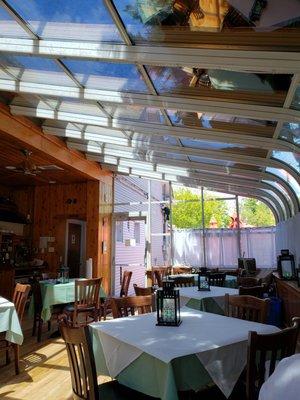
[(221, 247)]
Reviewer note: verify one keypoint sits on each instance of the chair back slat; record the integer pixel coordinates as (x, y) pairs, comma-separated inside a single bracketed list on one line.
[(124, 306), (158, 278), (247, 307), (264, 351), (82, 362), (87, 293), (125, 283), (216, 279), (141, 291), (19, 299)]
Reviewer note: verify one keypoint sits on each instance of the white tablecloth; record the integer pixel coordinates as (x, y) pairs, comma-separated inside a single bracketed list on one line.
[(9, 322), (284, 383), (219, 342)]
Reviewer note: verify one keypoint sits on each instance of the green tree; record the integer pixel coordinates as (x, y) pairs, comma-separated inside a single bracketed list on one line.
[(254, 212), (188, 213)]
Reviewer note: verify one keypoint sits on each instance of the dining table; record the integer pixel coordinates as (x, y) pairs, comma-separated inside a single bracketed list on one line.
[(55, 293), (158, 361), (212, 300), (9, 322), (284, 383)]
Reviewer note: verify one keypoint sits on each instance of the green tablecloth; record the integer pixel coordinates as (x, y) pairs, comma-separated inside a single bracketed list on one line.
[(53, 294), (9, 322), (184, 373)]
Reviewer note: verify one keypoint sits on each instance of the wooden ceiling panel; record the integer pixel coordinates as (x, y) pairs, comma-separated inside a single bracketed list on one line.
[(11, 155)]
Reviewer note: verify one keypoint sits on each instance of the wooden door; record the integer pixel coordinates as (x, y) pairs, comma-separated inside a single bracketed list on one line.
[(74, 250)]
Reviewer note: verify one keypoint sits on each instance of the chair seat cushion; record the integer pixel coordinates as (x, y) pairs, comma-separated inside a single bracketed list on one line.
[(115, 391)]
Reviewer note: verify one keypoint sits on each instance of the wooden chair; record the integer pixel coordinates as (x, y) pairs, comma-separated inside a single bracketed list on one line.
[(141, 291), (86, 301), (106, 307), (83, 369), (263, 353), (125, 306), (256, 291), (216, 279), (248, 281), (183, 281), (247, 307), (182, 270), (20, 297), (38, 307), (125, 283)]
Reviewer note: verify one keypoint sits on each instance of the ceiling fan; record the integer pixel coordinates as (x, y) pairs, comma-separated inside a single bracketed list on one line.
[(28, 167)]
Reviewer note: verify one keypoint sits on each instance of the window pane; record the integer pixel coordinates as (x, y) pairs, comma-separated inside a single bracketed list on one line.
[(137, 113), (289, 179), (155, 139), (186, 21), (292, 159), (9, 27), (266, 88), (222, 121), (68, 19), (279, 187), (296, 100), (107, 76), (291, 132), (36, 70)]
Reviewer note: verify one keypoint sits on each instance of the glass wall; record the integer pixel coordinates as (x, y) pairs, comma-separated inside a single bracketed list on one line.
[(197, 226)]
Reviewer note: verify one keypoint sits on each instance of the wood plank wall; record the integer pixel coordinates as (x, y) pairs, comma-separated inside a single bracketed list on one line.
[(49, 209)]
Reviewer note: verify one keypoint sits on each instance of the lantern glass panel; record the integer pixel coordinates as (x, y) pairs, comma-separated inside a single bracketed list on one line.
[(203, 283)]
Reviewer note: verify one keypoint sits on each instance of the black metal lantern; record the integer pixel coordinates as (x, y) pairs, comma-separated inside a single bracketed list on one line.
[(203, 284), (168, 305), (63, 274)]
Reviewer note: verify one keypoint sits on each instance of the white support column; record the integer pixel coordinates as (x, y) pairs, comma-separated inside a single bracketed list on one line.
[(239, 227), (203, 226), (171, 223)]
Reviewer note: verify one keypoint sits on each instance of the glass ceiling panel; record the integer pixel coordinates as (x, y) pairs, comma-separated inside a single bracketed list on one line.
[(288, 178), (266, 88), (296, 99), (183, 21), (210, 145), (155, 139), (35, 70), (210, 161), (275, 196), (292, 159), (107, 76), (68, 19), (136, 113), (221, 121), (282, 190), (291, 132), (228, 147), (9, 27)]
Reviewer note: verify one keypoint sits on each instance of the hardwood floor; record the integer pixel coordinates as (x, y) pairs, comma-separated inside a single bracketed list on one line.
[(44, 368)]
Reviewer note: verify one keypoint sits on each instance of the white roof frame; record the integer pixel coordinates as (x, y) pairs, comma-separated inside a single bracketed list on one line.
[(214, 105), (237, 60)]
